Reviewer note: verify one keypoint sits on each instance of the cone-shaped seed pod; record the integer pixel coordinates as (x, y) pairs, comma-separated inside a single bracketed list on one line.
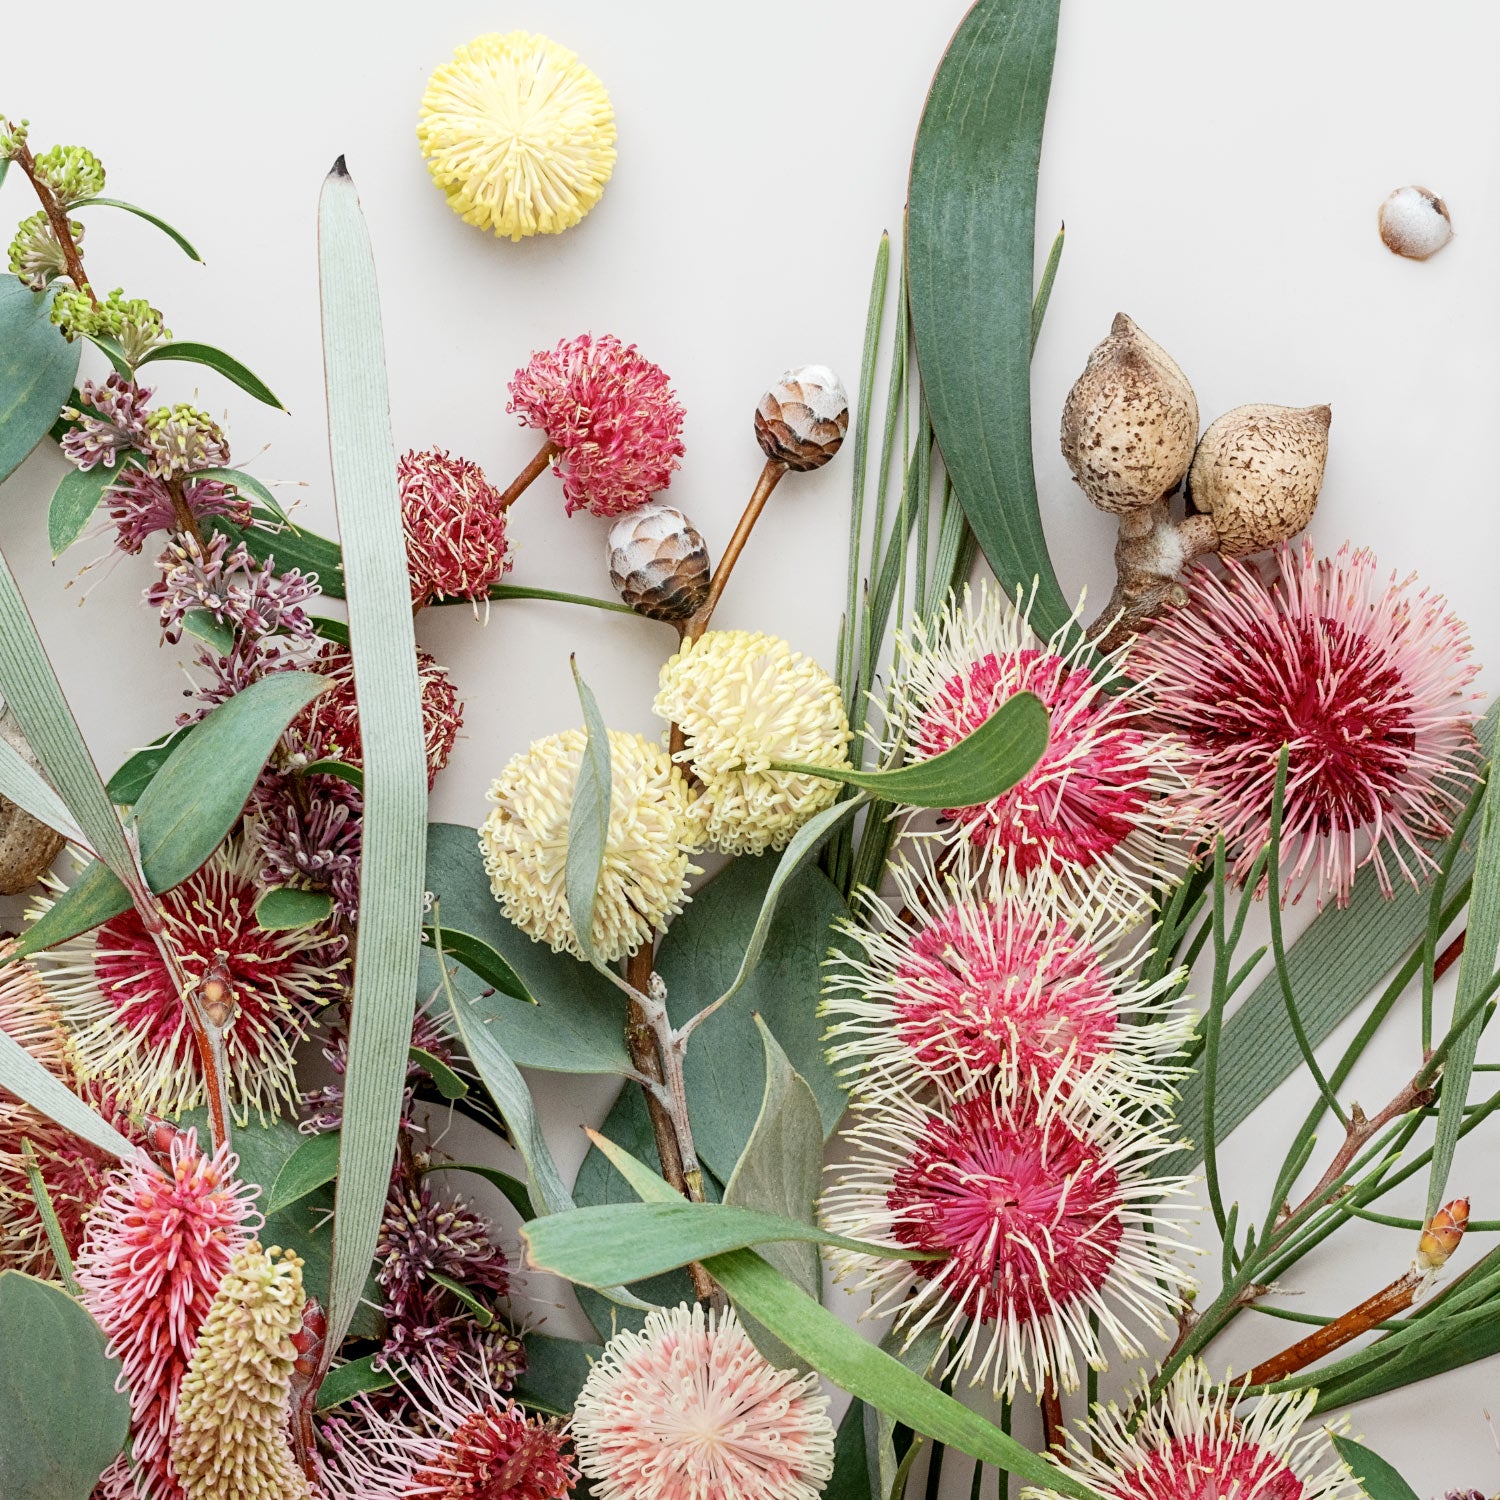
[(658, 562), (1414, 222), (1130, 422), (802, 419), (27, 847), (1258, 471)]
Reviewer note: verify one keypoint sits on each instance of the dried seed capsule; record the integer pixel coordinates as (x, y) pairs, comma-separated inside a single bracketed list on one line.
[(27, 848), (1258, 471), (658, 562), (1414, 222), (1130, 422), (802, 419), (1442, 1234)]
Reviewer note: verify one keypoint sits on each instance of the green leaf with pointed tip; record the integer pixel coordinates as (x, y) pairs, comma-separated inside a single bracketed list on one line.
[(37, 369), (114, 351), (356, 1378), (588, 820), (127, 784), (480, 1313), (62, 1422), (248, 484), (75, 500), (1374, 1475), (210, 629), (176, 236), (285, 908), (216, 359), (292, 549), (514, 1189), (312, 1165), (477, 956), (448, 1083), (340, 768)]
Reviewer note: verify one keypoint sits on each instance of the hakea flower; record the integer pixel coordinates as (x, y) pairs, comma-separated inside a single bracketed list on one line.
[(519, 135), (1197, 1440), (653, 828), (140, 504), (1050, 1237), (1099, 812), (36, 255), (688, 1408), (131, 322), (126, 1021), (328, 728), (975, 974), (157, 1250), (454, 520), (1365, 681), (72, 172), (250, 597), (744, 700), (612, 416), (310, 837), (449, 1437), (231, 1436), (110, 419)]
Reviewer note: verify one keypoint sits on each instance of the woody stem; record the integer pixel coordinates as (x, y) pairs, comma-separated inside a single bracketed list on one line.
[(522, 481), (1396, 1297), (58, 220)]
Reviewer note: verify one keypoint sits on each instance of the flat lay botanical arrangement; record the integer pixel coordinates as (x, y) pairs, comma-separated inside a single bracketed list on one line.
[(965, 909)]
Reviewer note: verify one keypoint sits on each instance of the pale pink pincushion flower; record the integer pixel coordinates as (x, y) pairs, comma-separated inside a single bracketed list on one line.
[(158, 1245), (1364, 679), (454, 520), (612, 416), (689, 1409)]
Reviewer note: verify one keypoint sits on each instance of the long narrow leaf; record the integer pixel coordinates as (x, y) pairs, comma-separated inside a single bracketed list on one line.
[(22, 1075), (388, 941), (20, 782), (176, 236), (588, 821)]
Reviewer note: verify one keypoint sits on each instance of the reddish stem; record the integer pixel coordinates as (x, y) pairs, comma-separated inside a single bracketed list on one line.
[(1052, 1416), (1450, 955), (1386, 1303), (522, 481), (58, 220)]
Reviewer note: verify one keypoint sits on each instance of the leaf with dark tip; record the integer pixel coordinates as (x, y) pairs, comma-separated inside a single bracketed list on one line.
[(216, 359)]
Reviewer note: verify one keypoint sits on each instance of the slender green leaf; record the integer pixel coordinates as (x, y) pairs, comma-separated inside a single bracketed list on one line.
[(481, 1314), (330, 630), (851, 1459), (93, 898), (555, 1372), (127, 784), (285, 907), (970, 253), (176, 236), (299, 548), (62, 1422), (75, 500), (37, 369), (387, 944), (354, 775), (357, 1377), (210, 629), (216, 359), (314, 1164), (1374, 1475), (477, 956), (588, 821), (1044, 287), (448, 1083), (249, 485), (114, 352), (56, 1241), (982, 765), (23, 785), (515, 1190)]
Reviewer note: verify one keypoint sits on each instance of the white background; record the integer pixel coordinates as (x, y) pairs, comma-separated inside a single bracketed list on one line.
[(1219, 170)]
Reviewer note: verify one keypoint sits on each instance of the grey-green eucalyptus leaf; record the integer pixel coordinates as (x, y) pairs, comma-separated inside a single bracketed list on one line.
[(37, 369)]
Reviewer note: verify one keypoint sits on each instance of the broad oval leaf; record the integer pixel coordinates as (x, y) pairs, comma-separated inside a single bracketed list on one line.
[(37, 369), (127, 784), (216, 359), (1375, 1476), (62, 1422), (74, 502), (284, 908), (314, 1164), (176, 236)]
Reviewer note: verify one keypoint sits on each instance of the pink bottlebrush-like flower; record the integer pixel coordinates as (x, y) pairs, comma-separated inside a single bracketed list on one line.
[(962, 975), (1194, 1441), (454, 521), (1363, 679), (449, 1437), (250, 597), (125, 1020), (1041, 1211), (308, 832), (1099, 812), (329, 725), (141, 503), (689, 1408), (157, 1248), (120, 423), (612, 416)]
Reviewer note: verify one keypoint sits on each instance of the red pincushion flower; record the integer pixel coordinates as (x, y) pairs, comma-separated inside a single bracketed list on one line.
[(612, 416), (454, 520), (1363, 679)]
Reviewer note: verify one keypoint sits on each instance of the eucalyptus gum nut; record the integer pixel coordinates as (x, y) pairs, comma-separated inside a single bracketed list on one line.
[(1258, 471), (1130, 422)]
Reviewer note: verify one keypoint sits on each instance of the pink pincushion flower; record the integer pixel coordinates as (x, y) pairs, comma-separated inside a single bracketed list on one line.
[(115, 421), (612, 416), (157, 1248), (1364, 679), (454, 520), (689, 1408)]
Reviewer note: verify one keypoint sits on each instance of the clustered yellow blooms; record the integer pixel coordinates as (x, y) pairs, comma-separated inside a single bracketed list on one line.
[(232, 1415), (519, 135)]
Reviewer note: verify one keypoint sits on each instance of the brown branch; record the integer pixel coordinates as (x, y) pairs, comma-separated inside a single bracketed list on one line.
[(1386, 1303), (58, 220), (522, 481), (770, 477), (182, 513), (1052, 1416), (1149, 554), (1449, 956)]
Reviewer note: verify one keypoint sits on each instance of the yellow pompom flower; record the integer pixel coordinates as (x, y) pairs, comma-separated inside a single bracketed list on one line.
[(745, 700), (518, 134), (232, 1415), (653, 828)]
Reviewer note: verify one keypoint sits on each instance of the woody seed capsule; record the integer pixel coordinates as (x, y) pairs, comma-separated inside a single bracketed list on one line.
[(27, 847), (658, 562), (802, 419)]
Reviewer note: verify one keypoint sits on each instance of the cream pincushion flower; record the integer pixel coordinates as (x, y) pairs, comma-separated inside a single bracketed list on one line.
[(653, 828), (518, 134), (743, 701)]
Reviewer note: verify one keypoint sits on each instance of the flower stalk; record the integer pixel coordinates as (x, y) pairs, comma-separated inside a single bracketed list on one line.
[(56, 217), (522, 482)]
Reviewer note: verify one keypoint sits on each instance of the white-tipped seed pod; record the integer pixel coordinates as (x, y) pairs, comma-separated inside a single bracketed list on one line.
[(802, 419), (1129, 423), (1414, 222), (1258, 471), (658, 562)]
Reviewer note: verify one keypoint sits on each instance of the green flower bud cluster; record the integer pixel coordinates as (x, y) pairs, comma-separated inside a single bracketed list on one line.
[(35, 255), (72, 172), (131, 321), (181, 439), (12, 137)]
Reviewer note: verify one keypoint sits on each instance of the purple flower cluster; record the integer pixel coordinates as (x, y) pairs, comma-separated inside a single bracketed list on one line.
[(325, 1106), (237, 591), (307, 829), (114, 420)]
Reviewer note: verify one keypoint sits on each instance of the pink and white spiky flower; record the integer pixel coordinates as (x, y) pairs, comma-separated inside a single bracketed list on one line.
[(688, 1409), (1364, 679), (1196, 1441), (158, 1246), (1039, 1209), (450, 1437), (1100, 812), (972, 972), (126, 1024)]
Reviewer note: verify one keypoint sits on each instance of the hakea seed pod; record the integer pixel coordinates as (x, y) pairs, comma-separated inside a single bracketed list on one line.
[(1129, 423), (27, 846), (658, 563), (1414, 222), (802, 419), (1441, 1236), (1258, 471)]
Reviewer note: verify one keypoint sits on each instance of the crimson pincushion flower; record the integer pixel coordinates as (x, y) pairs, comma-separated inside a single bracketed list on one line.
[(1364, 680), (454, 520), (1051, 1239), (609, 414), (1197, 1440)]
